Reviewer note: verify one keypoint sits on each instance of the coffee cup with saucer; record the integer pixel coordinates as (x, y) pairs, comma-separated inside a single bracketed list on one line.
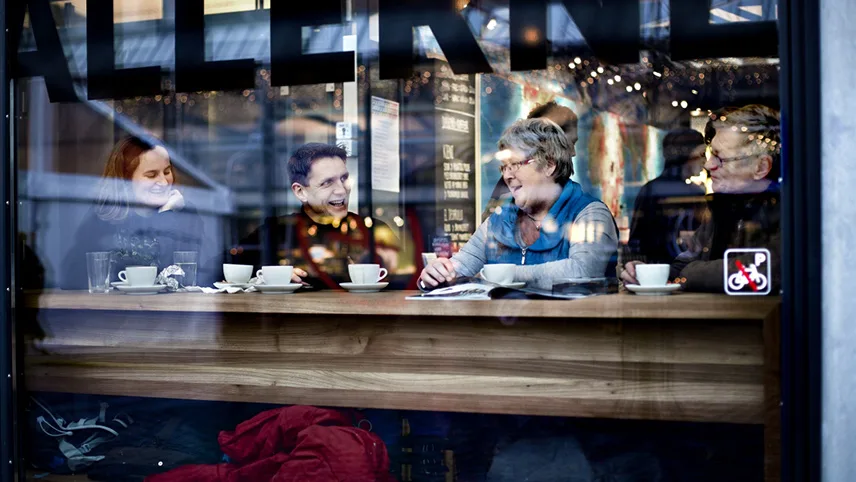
[(276, 280), (501, 274), (653, 280), (139, 280), (365, 278)]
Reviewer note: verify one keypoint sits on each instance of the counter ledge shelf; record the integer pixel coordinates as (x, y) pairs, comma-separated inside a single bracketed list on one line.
[(687, 357)]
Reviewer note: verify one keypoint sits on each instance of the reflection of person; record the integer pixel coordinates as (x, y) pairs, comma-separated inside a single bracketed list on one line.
[(321, 239), (743, 160), (140, 216), (550, 227), (567, 121), (668, 205)]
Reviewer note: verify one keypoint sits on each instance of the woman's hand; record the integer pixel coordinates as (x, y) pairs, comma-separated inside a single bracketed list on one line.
[(440, 270), (174, 203), (628, 274), (297, 275)]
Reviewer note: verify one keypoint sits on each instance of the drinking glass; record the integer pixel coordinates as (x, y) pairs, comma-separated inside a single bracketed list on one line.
[(98, 266), (187, 261)]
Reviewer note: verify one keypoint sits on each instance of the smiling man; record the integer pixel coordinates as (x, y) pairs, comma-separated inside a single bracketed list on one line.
[(322, 238), (743, 146)]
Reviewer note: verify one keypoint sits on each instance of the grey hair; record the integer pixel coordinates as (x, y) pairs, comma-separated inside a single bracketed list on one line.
[(545, 141)]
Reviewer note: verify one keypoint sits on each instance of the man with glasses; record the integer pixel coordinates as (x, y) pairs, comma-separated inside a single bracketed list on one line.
[(742, 157), (323, 237)]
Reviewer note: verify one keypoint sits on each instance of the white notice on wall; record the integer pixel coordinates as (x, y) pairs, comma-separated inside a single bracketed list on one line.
[(386, 162)]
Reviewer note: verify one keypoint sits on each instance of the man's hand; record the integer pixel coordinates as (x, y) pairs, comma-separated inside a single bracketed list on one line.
[(628, 274), (297, 275), (440, 270)]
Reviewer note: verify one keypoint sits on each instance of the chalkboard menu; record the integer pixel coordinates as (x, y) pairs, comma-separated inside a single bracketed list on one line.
[(454, 114), (439, 155)]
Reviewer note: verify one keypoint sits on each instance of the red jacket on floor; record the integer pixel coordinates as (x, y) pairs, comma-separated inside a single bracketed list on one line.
[(293, 444)]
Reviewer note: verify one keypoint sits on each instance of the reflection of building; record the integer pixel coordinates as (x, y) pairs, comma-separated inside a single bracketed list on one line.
[(240, 140)]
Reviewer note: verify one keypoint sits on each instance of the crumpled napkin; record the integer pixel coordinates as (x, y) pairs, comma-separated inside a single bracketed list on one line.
[(225, 289), (166, 278)]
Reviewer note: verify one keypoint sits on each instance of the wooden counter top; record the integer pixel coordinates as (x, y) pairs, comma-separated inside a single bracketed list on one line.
[(683, 306)]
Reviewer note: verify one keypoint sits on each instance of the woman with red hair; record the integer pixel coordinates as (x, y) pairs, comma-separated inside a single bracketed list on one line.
[(139, 216)]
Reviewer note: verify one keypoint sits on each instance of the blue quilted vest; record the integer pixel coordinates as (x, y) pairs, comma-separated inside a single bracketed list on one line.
[(502, 247)]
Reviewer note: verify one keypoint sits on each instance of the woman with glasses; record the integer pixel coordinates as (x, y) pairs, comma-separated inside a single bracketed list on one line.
[(550, 228)]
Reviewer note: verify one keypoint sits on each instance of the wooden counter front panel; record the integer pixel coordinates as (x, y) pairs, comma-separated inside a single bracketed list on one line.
[(649, 369)]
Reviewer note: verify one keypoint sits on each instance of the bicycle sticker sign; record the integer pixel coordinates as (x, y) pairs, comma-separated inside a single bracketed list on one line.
[(747, 272)]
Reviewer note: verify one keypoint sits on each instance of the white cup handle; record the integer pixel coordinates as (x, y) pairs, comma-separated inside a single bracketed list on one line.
[(481, 273), (123, 276), (259, 274), (383, 273)]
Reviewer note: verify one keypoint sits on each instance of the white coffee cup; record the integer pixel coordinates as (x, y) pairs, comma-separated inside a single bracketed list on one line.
[(139, 275), (237, 273), (501, 273), (276, 275), (652, 274), (366, 273)]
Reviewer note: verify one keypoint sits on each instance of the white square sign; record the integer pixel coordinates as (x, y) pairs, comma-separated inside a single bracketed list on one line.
[(344, 130), (746, 272)]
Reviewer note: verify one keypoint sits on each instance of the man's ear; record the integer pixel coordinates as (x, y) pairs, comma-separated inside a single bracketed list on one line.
[(763, 167), (299, 191)]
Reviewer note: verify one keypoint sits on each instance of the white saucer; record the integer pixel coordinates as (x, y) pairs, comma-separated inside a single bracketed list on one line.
[(119, 283), (222, 285), (515, 286), (653, 290), (278, 289), (140, 290), (364, 287)]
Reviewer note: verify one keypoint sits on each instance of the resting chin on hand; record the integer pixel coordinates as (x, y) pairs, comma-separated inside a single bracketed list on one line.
[(439, 271), (175, 202), (628, 274)]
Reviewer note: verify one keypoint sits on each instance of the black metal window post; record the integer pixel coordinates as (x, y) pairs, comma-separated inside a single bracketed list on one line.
[(799, 46), (8, 418)]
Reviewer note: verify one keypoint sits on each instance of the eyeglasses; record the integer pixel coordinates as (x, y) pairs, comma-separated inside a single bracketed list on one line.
[(512, 167), (709, 155)]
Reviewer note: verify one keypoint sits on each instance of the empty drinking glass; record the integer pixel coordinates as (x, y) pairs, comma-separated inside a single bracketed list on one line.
[(98, 266), (187, 261)]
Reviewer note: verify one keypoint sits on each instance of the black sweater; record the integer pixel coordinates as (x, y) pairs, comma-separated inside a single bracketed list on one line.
[(138, 240)]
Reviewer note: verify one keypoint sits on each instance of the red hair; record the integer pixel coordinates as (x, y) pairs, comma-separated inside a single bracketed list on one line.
[(114, 198)]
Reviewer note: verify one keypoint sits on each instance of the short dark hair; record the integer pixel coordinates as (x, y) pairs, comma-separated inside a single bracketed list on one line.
[(543, 110), (301, 161), (678, 146)]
